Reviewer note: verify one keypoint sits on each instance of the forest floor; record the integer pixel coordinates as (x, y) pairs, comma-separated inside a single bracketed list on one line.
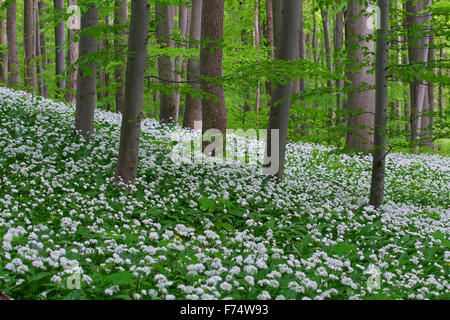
[(209, 230)]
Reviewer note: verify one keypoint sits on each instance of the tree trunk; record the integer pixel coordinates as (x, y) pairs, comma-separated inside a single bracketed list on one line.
[(134, 90), (37, 39), (11, 35), (269, 36), (338, 41), (257, 44), (100, 78), (379, 154), (327, 41), (43, 46), (193, 108), (72, 58), (418, 52), (182, 24), (3, 46), (84, 114), (361, 102), (214, 112), (441, 97), (287, 35), (28, 41), (120, 18), (314, 48), (166, 65), (430, 101), (60, 41)]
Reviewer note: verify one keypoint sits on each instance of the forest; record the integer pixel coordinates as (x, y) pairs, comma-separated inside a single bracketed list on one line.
[(224, 149)]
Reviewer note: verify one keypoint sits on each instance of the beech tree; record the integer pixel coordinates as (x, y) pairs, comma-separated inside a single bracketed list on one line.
[(286, 15), (193, 107), (166, 65), (418, 42), (28, 41), (3, 46), (13, 56), (43, 47), (381, 98), (60, 41), (72, 55), (86, 85), (120, 18), (214, 112), (361, 100), (134, 89)]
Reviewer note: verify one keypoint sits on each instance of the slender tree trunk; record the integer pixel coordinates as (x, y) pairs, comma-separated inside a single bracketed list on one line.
[(361, 102), (13, 56), (182, 24), (120, 18), (338, 41), (166, 65), (84, 114), (100, 78), (73, 54), (269, 36), (43, 46), (418, 52), (214, 112), (441, 97), (430, 101), (28, 41), (134, 91), (107, 81), (328, 54), (287, 35), (3, 46), (314, 47), (60, 40), (37, 40), (193, 108), (257, 44), (379, 154)]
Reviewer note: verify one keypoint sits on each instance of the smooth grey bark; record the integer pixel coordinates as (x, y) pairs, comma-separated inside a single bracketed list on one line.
[(214, 112), (287, 35), (134, 90), (418, 41), (60, 41), (428, 129), (100, 77), (72, 57), (193, 107), (379, 153), (179, 62), (166, 65), (120, 18), (338, 42), (86, 84), (268, 34), (327, 41), (43, 47), (11, 35), (3, 45), (256, 43), (441, 97), (28, 43), (361, 101), (37, 39)]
